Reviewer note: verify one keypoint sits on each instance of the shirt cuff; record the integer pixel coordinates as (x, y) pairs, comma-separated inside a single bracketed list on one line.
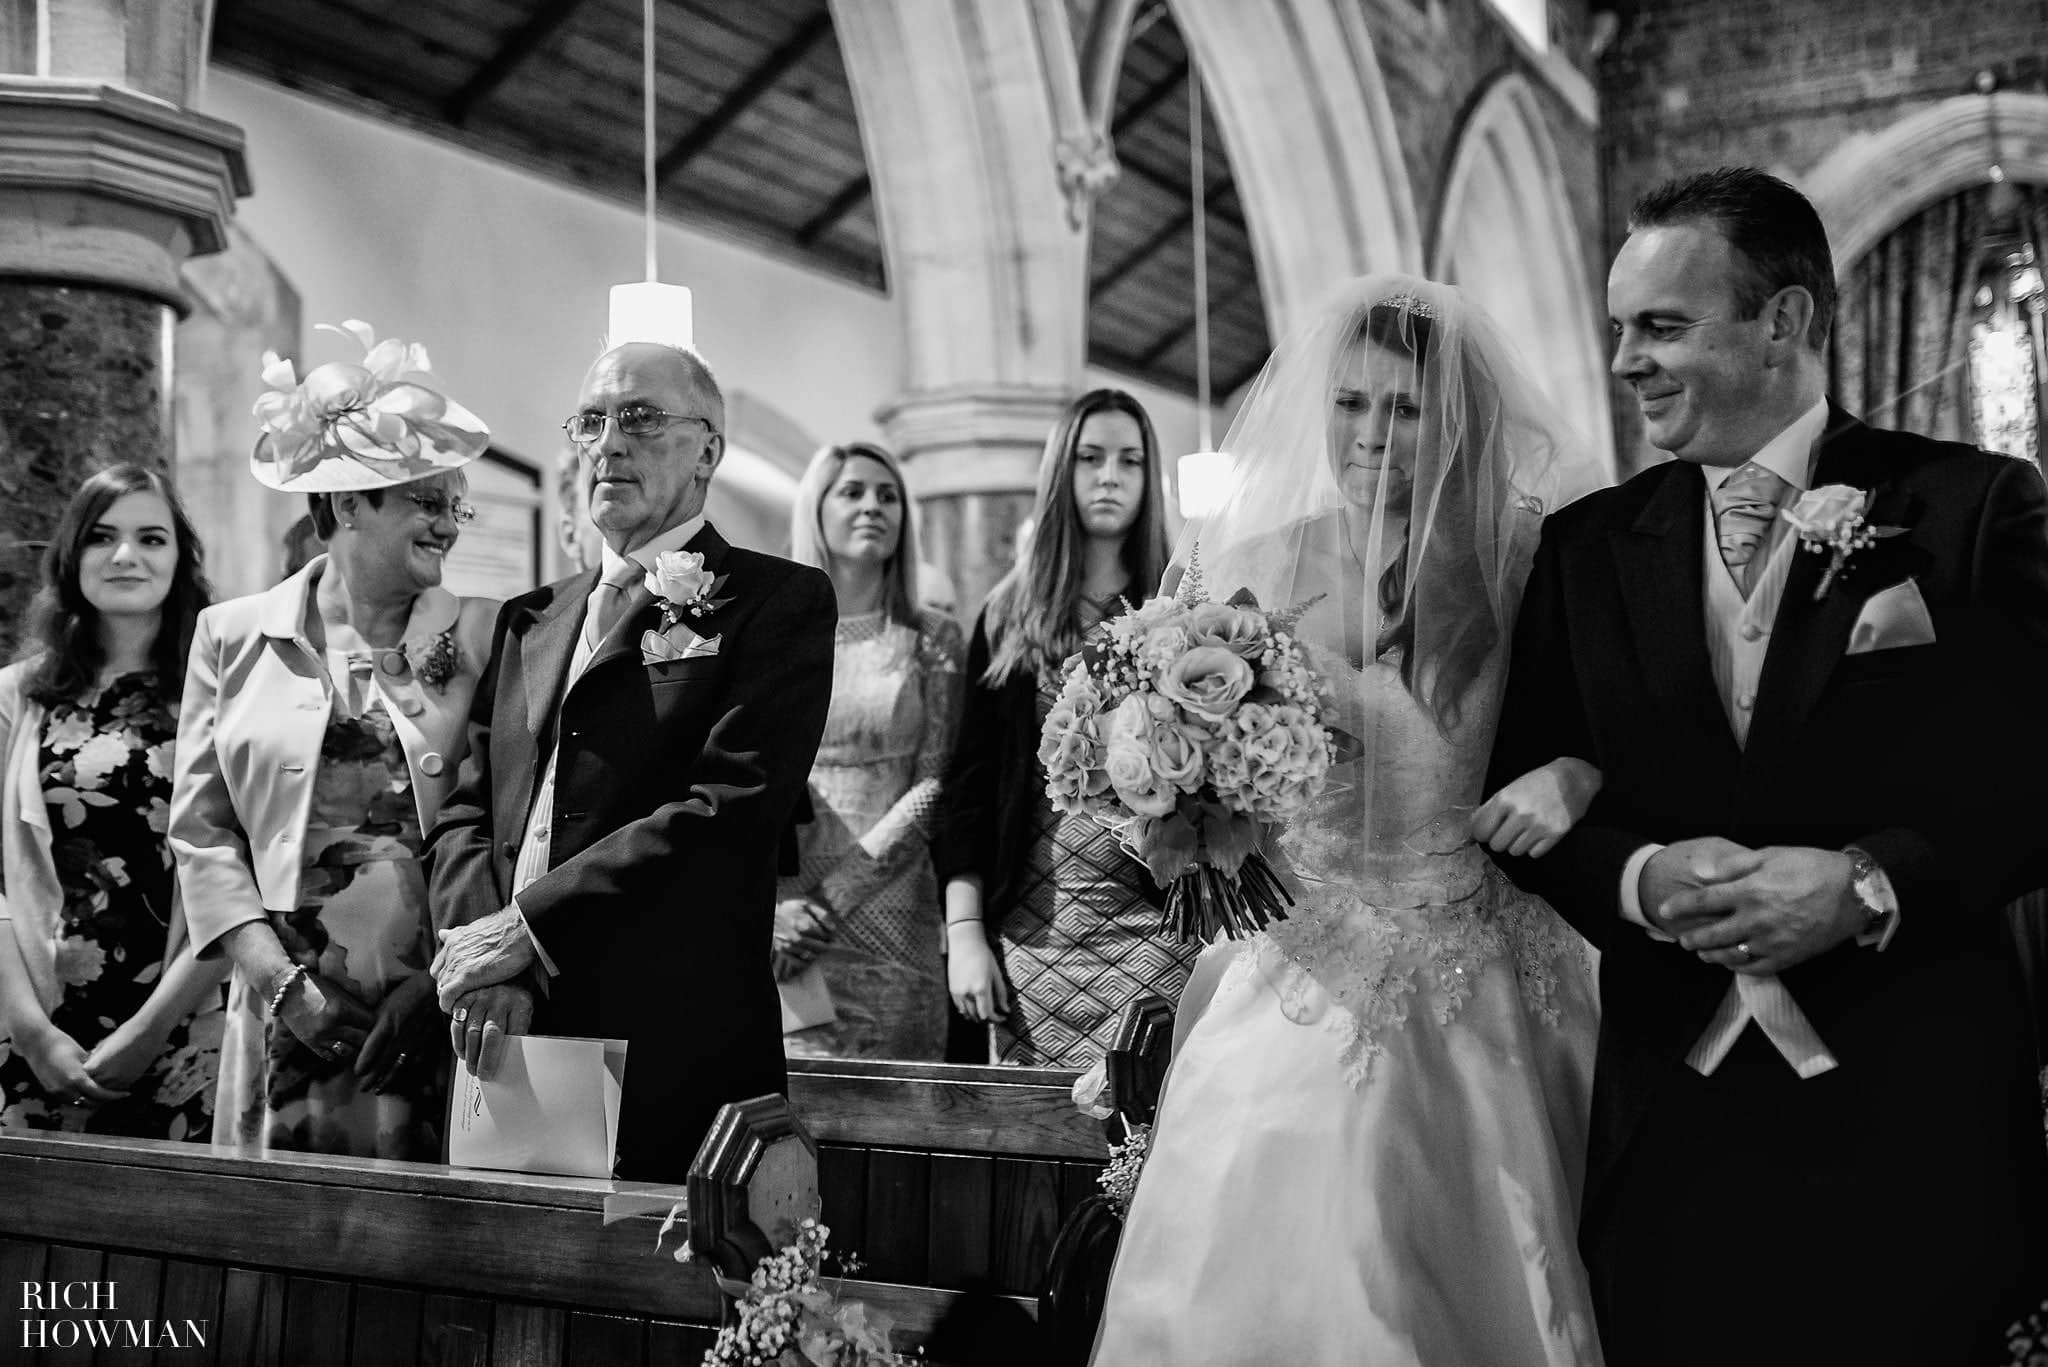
[(1887, 902), (1631, 892), (547, 964)]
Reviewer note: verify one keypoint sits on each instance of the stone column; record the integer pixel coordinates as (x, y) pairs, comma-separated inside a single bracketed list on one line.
[(107, 185), (977, 467), (977, 145)]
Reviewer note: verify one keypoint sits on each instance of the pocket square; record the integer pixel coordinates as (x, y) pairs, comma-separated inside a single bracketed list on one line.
[(1895, 617), (680, 643)]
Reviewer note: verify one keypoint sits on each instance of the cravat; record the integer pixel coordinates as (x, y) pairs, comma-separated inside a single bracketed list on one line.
[(608, 600), (1745, 506)]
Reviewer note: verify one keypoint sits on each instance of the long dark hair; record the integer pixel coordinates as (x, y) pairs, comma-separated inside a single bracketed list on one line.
[(1450, 570), (1033, 614), (65, 629)]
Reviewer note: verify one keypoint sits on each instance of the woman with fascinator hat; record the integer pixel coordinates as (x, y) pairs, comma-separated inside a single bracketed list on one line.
[(321, 728), (1370, 1142)]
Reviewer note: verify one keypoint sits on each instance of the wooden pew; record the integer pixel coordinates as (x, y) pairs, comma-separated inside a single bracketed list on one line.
[(939, 1176)]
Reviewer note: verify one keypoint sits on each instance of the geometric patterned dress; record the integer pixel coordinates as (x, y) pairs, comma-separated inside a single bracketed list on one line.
[(1082, 942)]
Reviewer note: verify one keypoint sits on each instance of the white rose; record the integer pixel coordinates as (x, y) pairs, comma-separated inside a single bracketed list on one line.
[(1822, 512), (678, 576)]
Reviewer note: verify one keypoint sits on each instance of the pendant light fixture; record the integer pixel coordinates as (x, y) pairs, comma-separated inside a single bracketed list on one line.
[(647, 310), (1199, 473)]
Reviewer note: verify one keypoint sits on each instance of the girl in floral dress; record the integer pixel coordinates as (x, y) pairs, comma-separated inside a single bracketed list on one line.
[(110, 1025)]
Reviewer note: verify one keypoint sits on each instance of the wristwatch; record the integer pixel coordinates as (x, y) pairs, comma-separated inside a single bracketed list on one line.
[(1863, 885)]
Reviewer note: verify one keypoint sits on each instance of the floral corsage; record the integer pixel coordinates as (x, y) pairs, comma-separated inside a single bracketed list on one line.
[(439, 662), (1831, 519), (683, 585)]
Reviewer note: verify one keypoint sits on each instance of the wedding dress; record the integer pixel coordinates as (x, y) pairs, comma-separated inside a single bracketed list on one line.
[(1370, 1145)]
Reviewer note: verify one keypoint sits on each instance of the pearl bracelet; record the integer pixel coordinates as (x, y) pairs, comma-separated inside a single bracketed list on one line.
[(277, 998)]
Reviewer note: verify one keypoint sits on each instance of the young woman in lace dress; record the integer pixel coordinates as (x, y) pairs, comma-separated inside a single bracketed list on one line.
[(1370, 1144), (863, 904), (1070, 913)]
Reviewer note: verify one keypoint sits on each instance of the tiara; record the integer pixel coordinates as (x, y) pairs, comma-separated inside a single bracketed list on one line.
[(1410, 302)]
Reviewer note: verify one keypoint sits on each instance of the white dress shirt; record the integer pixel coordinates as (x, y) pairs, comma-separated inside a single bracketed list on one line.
[(536, 845), (1738, 638)]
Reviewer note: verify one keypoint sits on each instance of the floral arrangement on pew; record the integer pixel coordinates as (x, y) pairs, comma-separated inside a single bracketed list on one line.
[(1186, 730), (784, 1316), (2027, 1340)]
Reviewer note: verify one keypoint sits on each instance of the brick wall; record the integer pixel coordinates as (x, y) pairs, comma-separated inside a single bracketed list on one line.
[(1693, 84)]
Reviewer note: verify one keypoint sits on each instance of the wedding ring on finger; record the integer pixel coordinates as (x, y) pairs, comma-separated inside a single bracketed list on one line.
[(1749, 956), (461, 1014)]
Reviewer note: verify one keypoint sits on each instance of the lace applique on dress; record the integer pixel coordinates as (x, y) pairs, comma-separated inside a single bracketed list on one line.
[(1361, 970)]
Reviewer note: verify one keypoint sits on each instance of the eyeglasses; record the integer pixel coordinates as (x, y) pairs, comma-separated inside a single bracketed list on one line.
[(435, 507), (635, 420)]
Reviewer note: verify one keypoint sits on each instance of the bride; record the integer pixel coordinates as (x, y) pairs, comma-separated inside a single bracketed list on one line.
[(1370, 1145)]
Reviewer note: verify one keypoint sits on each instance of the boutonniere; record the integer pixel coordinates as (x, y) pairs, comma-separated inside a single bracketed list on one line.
[(683, 585), (439, 662), (1830, 519)]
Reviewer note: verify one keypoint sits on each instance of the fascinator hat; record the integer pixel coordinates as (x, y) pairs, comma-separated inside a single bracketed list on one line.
[(365, 424)]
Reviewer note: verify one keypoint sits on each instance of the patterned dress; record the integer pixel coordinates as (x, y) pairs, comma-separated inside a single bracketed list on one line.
[(875, 792), (1082, 943), (362, 924), (105, 762)]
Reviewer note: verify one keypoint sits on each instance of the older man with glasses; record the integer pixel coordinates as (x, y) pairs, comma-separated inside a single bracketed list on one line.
[(606, 866)]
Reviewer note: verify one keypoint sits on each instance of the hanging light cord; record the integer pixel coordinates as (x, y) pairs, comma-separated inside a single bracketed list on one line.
[(647, 128), (1201, 246)]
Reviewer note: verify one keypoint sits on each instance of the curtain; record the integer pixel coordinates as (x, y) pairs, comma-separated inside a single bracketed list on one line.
[(1898, 355)]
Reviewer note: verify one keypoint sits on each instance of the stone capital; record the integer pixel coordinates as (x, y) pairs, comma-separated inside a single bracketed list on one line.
[(100, 185), (985, 439)]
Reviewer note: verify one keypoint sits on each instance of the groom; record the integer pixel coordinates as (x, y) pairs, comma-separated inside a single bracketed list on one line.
[(1816, 1131), (606, 866)]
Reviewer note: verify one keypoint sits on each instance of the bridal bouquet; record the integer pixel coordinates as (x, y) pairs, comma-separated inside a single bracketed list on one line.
[(1185, 730)]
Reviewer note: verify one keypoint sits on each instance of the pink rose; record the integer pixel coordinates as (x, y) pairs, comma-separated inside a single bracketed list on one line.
[(1207, 680), (1235, 630), (1177, 755), (1129, 762)]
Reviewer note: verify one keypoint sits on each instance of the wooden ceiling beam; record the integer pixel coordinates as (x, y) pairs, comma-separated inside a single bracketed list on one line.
[(1175, 335), (1150, 98), (538, 28), (1178, 188), (1143, 252), (1233, 383), (773, 68), (839, 206)]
